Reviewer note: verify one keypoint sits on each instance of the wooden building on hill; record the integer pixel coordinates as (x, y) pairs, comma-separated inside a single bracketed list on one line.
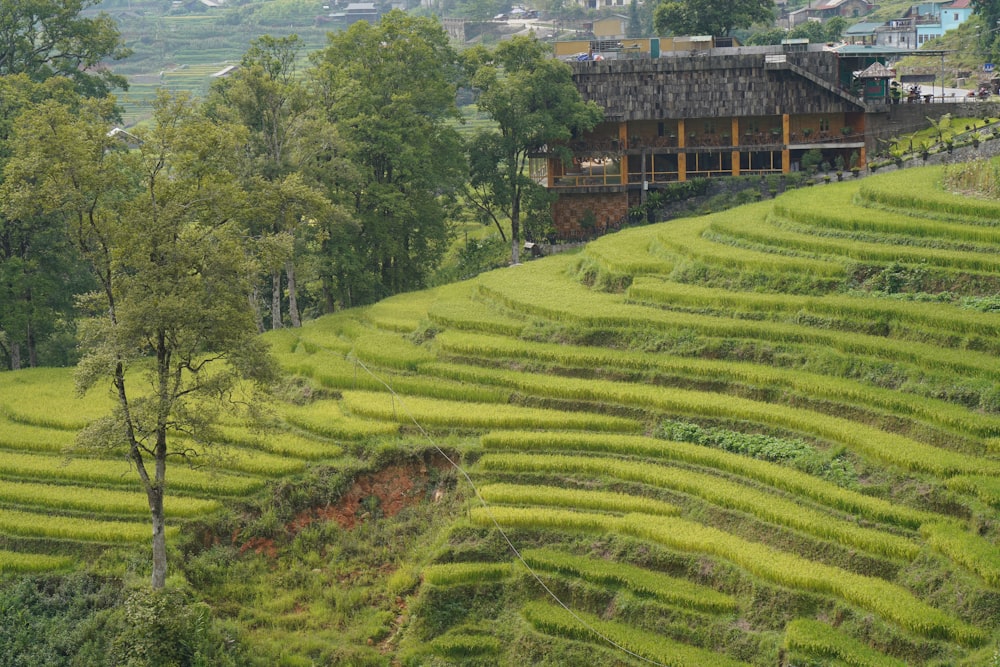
[(692, 114)]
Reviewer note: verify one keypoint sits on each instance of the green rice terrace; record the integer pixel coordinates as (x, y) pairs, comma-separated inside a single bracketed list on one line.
[(768, 436)]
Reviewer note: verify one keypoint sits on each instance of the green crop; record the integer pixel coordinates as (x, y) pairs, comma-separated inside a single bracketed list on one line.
[(587, 627), (765, 234), (820, 640), (117, 472), (638, 580), (765, 506), (455, 414), (451, 574), (744, 373), (865, 440), (12, 561), (763, 471), (516, 494), (97, 500), (987, 488), (965, 548), (31, 524)]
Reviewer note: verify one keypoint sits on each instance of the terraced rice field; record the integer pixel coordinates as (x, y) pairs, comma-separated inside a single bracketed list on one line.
[(765, 436)]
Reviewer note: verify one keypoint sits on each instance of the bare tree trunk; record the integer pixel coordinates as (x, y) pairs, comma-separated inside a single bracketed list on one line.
[(258, 317), (329, 305), (159, 578), (15, 356), (293, 304), (515, 232), (32, 348), (276, 299)]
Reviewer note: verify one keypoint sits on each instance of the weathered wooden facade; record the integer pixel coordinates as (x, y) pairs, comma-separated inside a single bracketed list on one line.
[(727, 112)]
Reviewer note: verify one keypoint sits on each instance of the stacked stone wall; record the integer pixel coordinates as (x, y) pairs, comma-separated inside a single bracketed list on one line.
[(608, 209)]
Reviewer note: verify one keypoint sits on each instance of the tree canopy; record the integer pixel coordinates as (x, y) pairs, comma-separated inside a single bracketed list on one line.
[(709, 17), (389, 89), (170, 328), (535, 105), (46, 38)]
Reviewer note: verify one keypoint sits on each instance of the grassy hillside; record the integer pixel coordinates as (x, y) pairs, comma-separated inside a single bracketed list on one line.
[(765, 436)]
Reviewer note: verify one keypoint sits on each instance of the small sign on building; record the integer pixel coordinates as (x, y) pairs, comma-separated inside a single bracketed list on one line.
[(987, 67)]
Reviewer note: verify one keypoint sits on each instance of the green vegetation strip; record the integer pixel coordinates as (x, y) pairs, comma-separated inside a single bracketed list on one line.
[(731, 495), (919, 192), (891, 602), (453, 574), (820, 640), (281, 442), (767, 234), (16, 435), (986, 488), (455, 414), (556, 620), (769, 473), (325, 418), (966, 549), (756, 375), (620, 257), (13, 561), (833, 208), (470, 315), (47, 397), (116, 472), (31, 524), (389, 350), (530, 494), (899, 315), (97, 500), (460, 645), (333, 370), (865, 440), (545, 293), (687, 239), (401, 313), (636, 579)]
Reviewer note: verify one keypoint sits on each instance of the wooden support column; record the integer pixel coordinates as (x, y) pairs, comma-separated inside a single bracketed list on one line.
[(681, 156), (863, 153), (624, 167), (735, 129), (786, 154)]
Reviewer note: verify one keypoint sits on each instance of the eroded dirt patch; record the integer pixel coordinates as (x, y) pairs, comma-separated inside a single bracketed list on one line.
[(379, 494)]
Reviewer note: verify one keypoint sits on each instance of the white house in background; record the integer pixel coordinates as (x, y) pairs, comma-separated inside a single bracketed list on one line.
[(924, 22)]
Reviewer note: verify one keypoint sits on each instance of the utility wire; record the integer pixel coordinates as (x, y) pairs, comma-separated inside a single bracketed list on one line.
[(496, 523)]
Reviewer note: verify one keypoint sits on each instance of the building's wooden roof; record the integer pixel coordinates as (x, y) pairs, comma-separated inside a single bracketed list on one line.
[(709, 86)]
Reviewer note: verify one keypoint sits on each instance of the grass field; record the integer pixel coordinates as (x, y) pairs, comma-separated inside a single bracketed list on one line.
[(766, 436)]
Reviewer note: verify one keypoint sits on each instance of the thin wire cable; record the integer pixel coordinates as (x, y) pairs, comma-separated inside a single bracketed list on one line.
[(496, 524)]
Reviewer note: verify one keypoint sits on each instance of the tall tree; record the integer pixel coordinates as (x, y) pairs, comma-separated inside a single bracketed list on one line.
[(988, 12), (536, 106), (710, 17), (39, 272), (269, 99), (390, 91), (47, 50), (46, 38), (170, 327)]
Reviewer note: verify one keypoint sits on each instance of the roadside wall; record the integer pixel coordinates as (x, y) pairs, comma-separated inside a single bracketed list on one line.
[(903, 119)]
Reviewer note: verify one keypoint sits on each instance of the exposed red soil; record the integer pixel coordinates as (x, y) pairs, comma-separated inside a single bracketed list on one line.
[(390, 490)]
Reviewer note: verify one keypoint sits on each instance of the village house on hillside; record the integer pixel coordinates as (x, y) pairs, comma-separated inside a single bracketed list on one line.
[(922, 23), (685, 110)]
